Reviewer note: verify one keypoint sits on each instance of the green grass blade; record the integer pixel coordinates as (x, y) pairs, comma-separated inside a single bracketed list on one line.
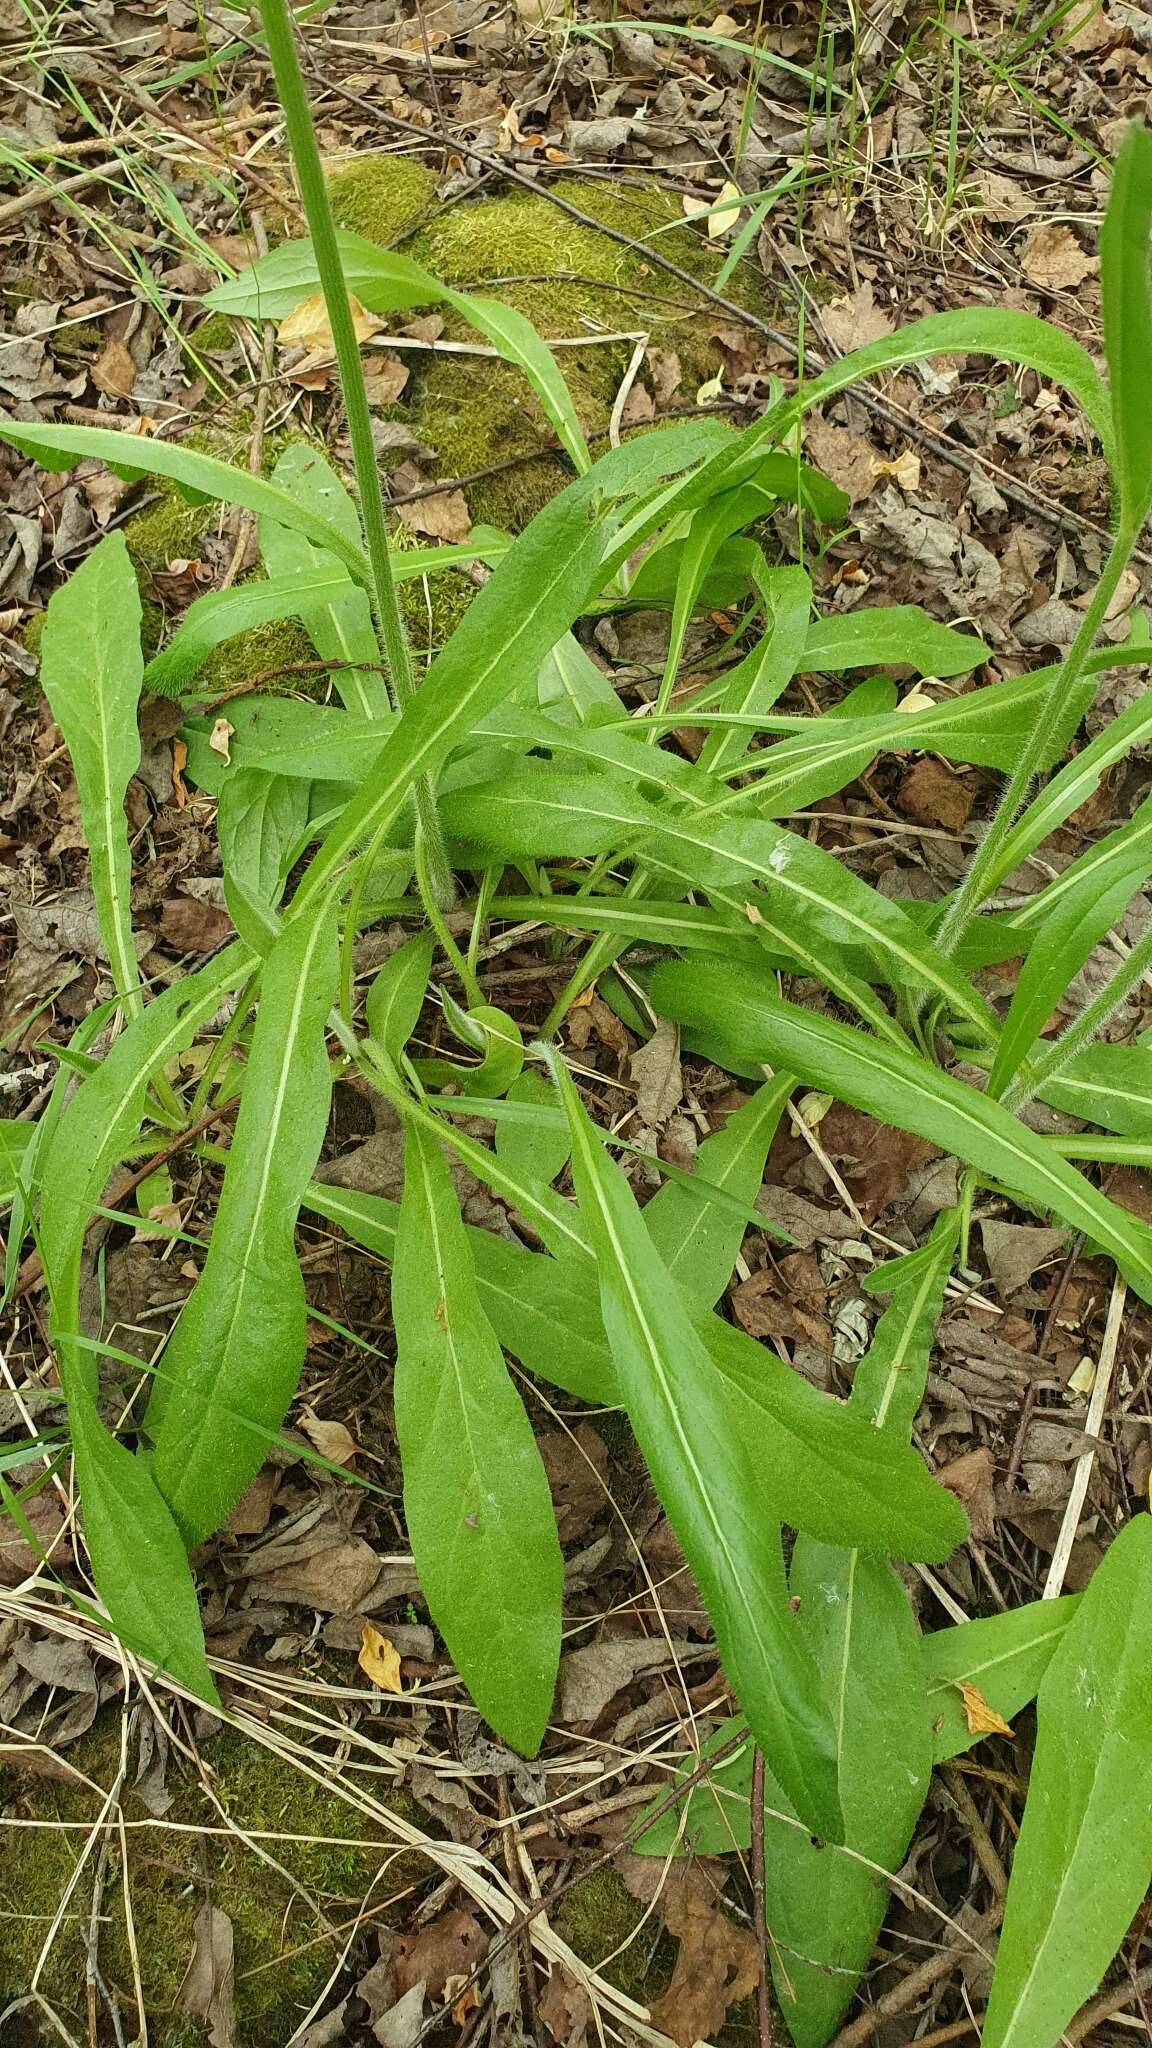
[(476, 1498), (232, 1365), (91, 671), (1084, 1858)]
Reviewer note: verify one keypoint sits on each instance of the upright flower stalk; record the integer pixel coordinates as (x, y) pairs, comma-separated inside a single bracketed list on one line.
[(280, 35)]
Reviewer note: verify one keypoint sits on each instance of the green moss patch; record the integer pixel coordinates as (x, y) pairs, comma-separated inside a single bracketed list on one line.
[(381, 196), (283, 1956), (570, 280)]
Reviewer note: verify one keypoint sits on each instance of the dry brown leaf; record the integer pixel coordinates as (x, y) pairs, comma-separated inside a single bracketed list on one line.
[(451, 1947), (189, 925), (654, 1071), (665, 369), (874, 1158), (114, 372), (591, 1677), (331, 1439), (981, 1718), (851, 321), (564, 2009), (1053, 259), (848, 459), (1015, 1251), (385, 377), (718, 1963), (335, 1578), (251, 1513), (933, 795), (43, 1514), (443, 515), (576, 1461), (209, 1987), (970, 1477), (379, 1659)]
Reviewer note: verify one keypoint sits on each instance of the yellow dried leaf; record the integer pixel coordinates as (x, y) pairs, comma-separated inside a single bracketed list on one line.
[(721, 224), (981, 1718), (905, 471), (379, 1659), (308, 329)]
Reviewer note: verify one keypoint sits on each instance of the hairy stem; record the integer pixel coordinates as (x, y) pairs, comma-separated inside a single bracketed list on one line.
[(280, 37), (1083, 1028), (1046, 734)]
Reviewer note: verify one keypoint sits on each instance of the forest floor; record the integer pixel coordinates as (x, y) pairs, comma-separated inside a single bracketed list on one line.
[(295, 1872)]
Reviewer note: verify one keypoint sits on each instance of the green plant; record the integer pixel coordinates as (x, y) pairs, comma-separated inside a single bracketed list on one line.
[(513, 753)]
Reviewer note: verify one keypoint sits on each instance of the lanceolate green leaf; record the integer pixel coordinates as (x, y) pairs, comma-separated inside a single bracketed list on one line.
[(524, 608), (1109, 1085), (821, 1468), (91, 669), (697, 1239), (231, 1368), (396, 997), (538, 589), (99, 1124), (138, 1557), (1084, 1858), (383, 280), (902, 633), (58, 447), (476, 1498), (707, 1480), (1076, 924), (340, 626), (544, 1311), (826, 1910), (901, 1088), (758, 681), (261, 824), (210, 621), (775, 881), (136, 1550), (1126, 289), (1004, 1656), (975, 330)]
